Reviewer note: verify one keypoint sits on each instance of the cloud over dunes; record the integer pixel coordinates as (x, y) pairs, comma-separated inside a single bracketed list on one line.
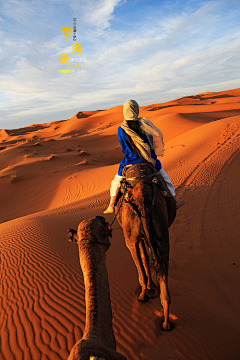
[(145, 50)]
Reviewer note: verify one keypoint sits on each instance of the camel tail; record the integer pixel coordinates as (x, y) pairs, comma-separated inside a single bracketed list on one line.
[(156, 235)]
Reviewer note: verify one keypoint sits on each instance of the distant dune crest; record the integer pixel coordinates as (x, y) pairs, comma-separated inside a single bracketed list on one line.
[(54, 175)]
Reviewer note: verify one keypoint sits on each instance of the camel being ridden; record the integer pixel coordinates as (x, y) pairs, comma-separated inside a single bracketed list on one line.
[(98, 341), (145, 211)]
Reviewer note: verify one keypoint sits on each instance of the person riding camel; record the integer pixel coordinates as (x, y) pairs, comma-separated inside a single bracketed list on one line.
[(141, 141)]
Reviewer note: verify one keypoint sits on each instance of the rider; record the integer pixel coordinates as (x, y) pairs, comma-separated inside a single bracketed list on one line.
[(141, 141)]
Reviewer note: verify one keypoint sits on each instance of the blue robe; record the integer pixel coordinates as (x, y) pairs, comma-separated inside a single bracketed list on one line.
[(131, 156)]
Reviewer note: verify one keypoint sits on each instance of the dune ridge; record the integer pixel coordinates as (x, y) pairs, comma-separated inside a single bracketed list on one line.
[(56, 186)]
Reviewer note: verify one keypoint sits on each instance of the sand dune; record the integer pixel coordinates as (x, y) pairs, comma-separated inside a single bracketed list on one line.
[(54, 175)]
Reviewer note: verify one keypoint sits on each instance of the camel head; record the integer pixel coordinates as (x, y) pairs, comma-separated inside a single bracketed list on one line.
[(93, 230)]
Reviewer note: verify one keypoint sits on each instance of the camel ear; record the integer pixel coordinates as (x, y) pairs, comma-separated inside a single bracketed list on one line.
[(106, 229), (72, 235), (100, 218)]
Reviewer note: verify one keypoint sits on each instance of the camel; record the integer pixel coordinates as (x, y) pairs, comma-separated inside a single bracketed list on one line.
[(145, 211), (98, 341)]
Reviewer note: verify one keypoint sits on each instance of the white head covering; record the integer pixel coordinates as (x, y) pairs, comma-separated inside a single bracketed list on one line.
[(131, 112)]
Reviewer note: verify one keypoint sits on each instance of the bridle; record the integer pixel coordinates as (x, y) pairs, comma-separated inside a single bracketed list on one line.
[(92, 242)]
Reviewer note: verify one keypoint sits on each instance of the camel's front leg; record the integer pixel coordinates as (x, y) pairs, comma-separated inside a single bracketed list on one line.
[(165, 301)]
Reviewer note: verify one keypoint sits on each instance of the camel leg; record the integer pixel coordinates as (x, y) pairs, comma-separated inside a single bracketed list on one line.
[(165, 301), (134, 248), (151, 287)]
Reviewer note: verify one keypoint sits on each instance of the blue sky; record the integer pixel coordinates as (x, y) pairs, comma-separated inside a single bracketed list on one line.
[(151, 51)]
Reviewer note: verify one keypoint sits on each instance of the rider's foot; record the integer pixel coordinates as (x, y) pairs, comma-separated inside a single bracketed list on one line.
[(109, 210), (179, 203)]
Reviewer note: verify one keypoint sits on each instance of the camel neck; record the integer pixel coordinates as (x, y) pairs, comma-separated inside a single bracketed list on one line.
[(97, 295)]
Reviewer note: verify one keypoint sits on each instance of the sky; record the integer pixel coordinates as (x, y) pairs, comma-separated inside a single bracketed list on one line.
[(147, 50)]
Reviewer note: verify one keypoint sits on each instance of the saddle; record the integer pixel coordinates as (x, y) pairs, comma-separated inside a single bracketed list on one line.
[(147, 173)]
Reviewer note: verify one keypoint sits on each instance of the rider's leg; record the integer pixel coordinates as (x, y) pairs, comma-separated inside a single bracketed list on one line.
[(171, 188), (113, 191)]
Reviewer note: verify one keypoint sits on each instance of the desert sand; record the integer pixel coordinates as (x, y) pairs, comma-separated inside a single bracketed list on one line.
[(54, 175)]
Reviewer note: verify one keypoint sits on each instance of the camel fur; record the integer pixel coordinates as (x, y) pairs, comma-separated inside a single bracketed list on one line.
[(145, 216), (98, 341)]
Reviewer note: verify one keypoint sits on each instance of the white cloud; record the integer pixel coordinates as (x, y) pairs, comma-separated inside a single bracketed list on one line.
[(95, 12), (18, 10), (155, 61)]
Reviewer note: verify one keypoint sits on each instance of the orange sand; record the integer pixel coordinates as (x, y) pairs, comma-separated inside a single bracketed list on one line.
[(47, 186)]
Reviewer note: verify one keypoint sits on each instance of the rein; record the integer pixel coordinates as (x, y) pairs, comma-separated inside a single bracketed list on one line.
[(92, 242), (124, 191)]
